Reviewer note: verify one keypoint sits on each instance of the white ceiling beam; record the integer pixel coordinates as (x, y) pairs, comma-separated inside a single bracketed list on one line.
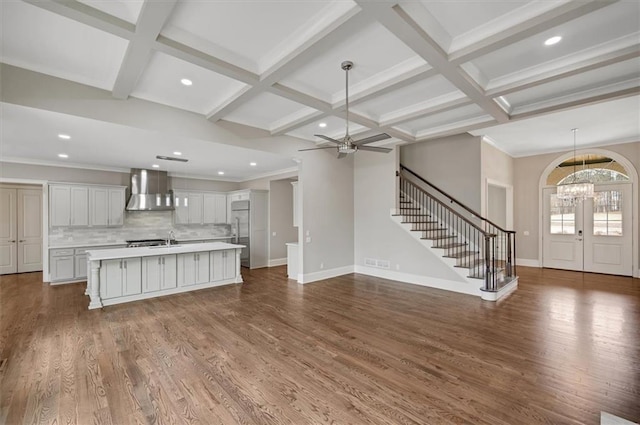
[(87, 15), (578, 103), (550, 19), (204, 60), (396, 20), (329, 37), (327, 108), (424, 111), (297, 123), (152, 18), (559, 72), (374, 91), (457, 128)]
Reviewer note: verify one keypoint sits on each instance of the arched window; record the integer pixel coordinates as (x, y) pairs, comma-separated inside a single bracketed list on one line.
[(595, 175), (592, 167)]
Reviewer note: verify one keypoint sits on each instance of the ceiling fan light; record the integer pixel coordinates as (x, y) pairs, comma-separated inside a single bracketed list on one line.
[(347, 148)]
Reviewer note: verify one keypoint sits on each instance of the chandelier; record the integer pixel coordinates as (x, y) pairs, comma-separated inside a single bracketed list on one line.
[(576, 189)]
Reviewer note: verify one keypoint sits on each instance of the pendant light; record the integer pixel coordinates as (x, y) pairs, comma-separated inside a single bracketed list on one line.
[(576, 189)]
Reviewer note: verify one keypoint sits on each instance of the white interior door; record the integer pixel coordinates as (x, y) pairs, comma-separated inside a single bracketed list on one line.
[(8, 230), (608, 241), (594, 235), (562, 234), (29, 230)]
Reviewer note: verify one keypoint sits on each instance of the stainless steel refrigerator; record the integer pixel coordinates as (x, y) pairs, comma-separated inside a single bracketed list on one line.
[(240, 219)]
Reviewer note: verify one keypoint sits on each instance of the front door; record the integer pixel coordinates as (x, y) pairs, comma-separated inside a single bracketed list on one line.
[(593, 235)]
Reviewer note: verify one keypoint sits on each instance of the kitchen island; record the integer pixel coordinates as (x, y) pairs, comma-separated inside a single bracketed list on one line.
[(129, 274)]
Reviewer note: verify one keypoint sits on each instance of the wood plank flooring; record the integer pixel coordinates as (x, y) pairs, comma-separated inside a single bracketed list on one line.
[(350, 350)]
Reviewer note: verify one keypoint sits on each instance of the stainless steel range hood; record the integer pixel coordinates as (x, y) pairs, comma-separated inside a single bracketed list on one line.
[(149, 191)]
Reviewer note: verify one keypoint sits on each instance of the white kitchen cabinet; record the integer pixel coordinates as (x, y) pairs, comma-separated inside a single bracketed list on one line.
[(195, 208), (181, 208), (68, 205), (200, 208), (106, 206), (159, 272), (296, 207), (61, 264), (223, 265), (122, 276), (79, 206), (193, 268), (80, 269), (214, 208)]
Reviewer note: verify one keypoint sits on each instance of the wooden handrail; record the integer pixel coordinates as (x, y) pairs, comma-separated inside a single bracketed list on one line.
[(452, 199)]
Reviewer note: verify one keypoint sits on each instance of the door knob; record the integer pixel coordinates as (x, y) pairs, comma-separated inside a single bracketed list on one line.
[(21, 240), (12, 241)]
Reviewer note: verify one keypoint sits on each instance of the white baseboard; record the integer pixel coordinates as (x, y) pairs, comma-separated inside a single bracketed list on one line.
[(278, 262), (527, 262), (324, 274), (432, 282)]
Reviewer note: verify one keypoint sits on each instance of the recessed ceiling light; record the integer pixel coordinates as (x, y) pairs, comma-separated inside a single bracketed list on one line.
[(322, 125), (63, 155), (186, 82), (177, 153), (64, 136), (553, 40), (221, 173), (253, 164), (155, 166)]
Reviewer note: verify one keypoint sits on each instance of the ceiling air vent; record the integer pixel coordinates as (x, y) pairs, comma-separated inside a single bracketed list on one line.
[(171, 158)]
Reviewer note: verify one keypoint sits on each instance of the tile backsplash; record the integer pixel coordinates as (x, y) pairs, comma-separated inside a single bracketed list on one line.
[(137, 225)]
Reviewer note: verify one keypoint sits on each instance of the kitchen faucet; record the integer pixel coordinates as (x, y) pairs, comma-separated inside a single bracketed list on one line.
[(171, 237)]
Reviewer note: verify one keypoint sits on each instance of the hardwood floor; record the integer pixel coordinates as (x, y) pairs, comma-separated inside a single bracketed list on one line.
[(350, 350)]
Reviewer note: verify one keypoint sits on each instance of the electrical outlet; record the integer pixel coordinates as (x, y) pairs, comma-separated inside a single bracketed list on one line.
[(273, 234), (397, 266), (321, 266), (308, 239)]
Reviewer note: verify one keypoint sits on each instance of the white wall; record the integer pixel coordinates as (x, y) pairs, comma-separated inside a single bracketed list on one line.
[(376, 235), (281, 218), (527, 172), (452, 163), (327, 211)]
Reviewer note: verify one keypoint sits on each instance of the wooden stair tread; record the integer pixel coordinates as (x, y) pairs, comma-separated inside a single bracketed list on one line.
[(461, 254), (450, 245), (438, 238)]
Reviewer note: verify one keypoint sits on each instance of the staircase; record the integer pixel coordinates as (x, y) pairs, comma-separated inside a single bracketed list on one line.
[(480, 251)]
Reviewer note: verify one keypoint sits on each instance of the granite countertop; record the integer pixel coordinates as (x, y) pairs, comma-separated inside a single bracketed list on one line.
[(147, 251)]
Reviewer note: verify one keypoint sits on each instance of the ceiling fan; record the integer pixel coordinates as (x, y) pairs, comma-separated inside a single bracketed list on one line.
[(347, 145)]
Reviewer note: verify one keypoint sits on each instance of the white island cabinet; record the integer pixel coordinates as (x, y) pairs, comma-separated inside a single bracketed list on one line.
[(130, 274)]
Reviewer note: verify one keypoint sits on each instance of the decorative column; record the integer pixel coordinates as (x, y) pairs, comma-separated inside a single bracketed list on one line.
[(96, 302), (238, 267)]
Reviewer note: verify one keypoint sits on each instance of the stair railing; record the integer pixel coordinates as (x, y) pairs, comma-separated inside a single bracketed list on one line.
[(465, 234)]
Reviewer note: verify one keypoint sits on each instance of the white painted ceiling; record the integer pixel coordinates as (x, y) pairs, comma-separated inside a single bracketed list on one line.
[(423, 69)]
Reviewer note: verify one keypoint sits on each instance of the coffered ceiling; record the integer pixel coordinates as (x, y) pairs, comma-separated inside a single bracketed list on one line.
[(423, 69)]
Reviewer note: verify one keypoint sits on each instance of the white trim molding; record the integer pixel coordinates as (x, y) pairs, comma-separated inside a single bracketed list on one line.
[(277, 262), (528, 262), (431, 282), (324, 274)]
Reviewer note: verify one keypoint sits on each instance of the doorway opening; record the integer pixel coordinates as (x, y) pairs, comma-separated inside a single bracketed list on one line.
[(597, 234), (21, 228)]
